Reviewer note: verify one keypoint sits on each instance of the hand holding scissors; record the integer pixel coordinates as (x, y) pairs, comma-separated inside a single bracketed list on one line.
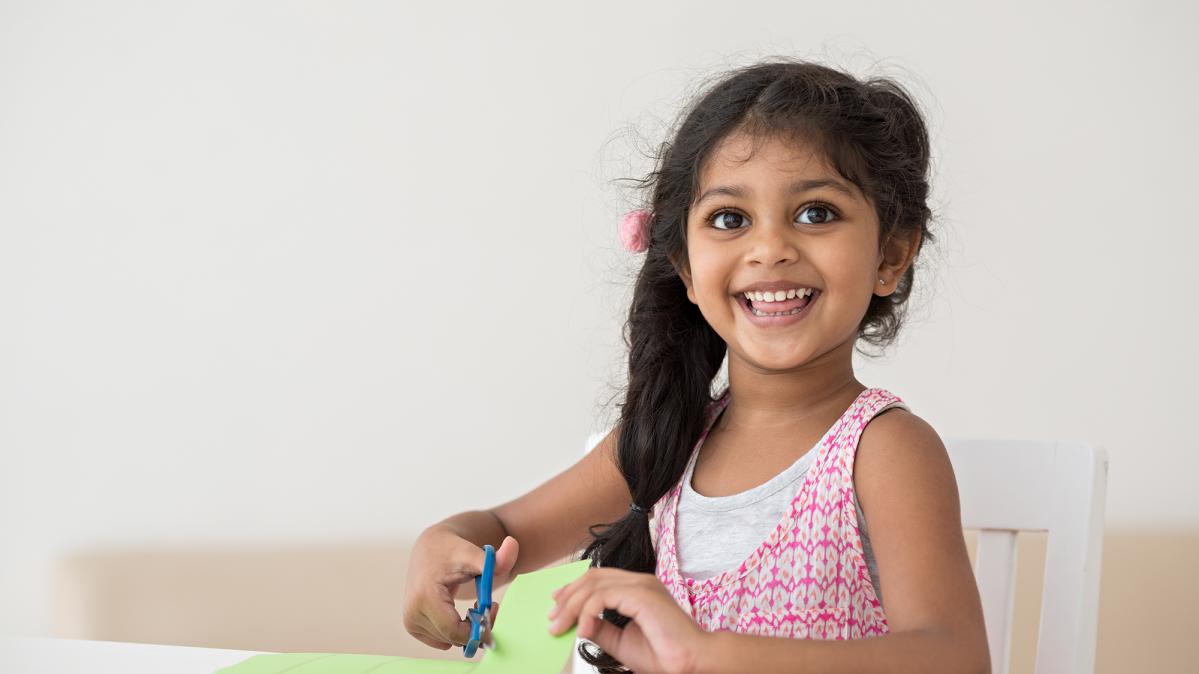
[(480, 625)]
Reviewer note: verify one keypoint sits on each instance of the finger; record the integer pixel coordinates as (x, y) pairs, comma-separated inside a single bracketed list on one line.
[(605, 635), (591, 581), (460, 633), (464, 563), (469, 561), (495, 611), (447, 624), (622, 593), (423, 627), (562, 599), (561, 596), (430, 641), (505, 557), (570, 601), (564, 593), (590, 614)]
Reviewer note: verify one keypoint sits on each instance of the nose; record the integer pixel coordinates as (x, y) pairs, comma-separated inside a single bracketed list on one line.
[(773, 242)]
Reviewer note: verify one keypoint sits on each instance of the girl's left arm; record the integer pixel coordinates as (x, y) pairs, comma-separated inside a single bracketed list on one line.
[(908, 493), (906, 488)]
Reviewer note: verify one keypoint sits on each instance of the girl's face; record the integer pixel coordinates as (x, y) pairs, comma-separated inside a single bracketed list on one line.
[(782, 215)]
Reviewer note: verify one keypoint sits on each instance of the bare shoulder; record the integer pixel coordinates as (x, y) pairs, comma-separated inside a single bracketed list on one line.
[(908, 493), (897, 439), (902, 470)]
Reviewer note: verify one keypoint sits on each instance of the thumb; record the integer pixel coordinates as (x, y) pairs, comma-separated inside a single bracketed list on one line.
[(505, 557)]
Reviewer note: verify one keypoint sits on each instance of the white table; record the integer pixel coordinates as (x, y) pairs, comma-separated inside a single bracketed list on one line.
[(34, 655)]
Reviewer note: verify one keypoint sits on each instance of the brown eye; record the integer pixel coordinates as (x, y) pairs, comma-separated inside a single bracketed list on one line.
[(824, 214), (736, 221)]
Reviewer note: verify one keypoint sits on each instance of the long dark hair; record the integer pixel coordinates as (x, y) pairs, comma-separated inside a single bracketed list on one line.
[(873, 134)]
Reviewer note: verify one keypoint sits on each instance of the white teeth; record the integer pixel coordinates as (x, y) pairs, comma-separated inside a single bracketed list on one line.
[(777, 295), (763, 314)]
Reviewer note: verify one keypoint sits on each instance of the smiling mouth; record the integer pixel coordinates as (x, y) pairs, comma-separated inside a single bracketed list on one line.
[(777, 309)]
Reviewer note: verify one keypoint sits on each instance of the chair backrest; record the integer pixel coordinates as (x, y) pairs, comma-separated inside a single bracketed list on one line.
[(1009, 486)]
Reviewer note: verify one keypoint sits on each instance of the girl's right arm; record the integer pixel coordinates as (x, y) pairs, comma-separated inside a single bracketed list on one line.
[(550, 522)]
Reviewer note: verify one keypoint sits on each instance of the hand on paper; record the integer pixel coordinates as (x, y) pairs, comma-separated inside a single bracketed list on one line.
[(660, 638), (441, 562)]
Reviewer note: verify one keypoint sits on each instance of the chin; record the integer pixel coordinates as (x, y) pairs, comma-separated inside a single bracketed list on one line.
[(771, 359)]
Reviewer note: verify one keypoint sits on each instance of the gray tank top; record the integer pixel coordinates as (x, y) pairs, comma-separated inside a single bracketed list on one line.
[(717, 533)]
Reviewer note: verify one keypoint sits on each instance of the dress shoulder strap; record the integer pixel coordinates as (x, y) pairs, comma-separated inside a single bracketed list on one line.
[(869, 404)]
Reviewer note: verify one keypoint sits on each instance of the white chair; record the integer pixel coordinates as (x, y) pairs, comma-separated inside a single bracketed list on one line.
[(1009, 486)]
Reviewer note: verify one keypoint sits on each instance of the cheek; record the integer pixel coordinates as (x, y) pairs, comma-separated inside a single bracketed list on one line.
[(850, 263), (715, 303), (709, 273)]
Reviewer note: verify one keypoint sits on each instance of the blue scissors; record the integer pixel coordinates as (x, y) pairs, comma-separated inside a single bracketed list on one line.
[(479, 622)]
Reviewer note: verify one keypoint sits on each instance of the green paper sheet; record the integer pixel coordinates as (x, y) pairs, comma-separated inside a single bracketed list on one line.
[(523, 644)]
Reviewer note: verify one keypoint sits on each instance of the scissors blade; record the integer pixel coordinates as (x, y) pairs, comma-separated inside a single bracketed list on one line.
[(485, 638)]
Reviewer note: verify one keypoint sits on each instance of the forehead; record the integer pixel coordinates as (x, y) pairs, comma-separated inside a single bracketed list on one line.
[(764, 157), (772, 162)]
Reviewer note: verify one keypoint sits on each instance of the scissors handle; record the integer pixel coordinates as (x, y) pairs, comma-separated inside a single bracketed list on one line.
[(478, 614)]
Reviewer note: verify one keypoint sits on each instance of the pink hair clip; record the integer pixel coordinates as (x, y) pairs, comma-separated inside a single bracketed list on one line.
[(634, 230)]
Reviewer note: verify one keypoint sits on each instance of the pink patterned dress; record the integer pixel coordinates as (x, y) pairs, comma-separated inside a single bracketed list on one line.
[(809, 578)]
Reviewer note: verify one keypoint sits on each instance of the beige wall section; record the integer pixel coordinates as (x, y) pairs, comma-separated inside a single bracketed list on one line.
[(1147, 597), (322, 598), (347, 599)]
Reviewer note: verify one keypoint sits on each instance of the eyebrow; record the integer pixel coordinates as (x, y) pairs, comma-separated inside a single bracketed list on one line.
[(797, 187)]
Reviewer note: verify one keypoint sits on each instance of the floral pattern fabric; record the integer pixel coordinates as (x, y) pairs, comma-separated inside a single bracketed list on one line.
[(809, 578)]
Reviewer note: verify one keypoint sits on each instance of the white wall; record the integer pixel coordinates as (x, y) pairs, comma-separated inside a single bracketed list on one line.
[(331, 271)]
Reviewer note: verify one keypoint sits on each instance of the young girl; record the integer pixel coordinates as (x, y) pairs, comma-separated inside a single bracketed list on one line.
[(730, 529)]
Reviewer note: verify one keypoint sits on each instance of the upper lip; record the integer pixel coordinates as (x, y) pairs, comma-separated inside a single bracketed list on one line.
[(764, 286)]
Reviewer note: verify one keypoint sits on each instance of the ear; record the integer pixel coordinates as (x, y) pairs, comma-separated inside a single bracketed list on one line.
[(684, 272), (896, 256)]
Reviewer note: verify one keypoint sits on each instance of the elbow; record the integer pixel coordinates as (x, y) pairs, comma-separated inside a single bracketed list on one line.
[(982, 654), (970, 653), (976, 660), (979, 660)]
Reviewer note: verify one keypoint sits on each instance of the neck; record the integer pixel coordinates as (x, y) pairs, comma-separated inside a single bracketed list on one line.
[(765, 400)]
